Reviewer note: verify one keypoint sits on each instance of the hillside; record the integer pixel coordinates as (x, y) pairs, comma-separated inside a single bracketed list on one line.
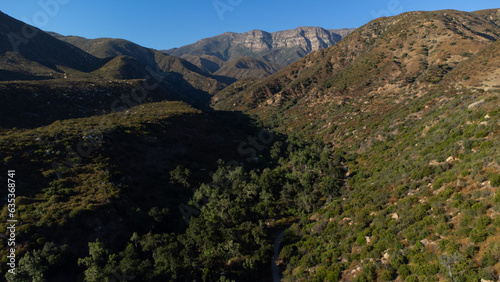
[(180, 73), (421, 200), (280, 48), (38, 56), (412, 101), (481, 70), (59, 65), (411, 51), (108, 176), (122, 67), (247, 67), (30, 104)]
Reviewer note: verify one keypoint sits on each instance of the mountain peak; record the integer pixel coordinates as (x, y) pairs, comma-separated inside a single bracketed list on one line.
[(280, 48)]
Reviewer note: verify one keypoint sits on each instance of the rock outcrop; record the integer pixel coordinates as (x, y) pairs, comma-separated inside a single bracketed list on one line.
[(279, 48)]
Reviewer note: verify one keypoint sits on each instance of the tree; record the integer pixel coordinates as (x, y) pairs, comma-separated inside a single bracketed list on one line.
[(31, 268), (95, 262), (158, 214), (449, 260), (180, 175), (135, 237), (330, 186)]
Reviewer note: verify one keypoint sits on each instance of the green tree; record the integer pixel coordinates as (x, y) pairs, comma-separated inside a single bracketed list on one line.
[(135, 237), (158, 214), (95, 262), (31, 268), (180, 175)]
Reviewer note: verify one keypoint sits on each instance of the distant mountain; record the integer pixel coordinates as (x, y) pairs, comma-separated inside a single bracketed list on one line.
[(280, 48), (174, 69), (28, 53), (416, 49), (109, 47)]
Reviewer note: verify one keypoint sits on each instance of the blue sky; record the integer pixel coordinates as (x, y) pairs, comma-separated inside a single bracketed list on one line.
[(164, 24)]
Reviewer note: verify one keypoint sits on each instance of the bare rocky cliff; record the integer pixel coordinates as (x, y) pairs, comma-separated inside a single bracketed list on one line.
[(279, 48)]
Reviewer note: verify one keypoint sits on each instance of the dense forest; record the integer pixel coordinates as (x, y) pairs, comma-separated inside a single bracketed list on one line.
[(227, 225)]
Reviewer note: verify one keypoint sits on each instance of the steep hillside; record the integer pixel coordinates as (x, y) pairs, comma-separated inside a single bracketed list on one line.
[(40, 56), (385, 57), (182, 75), (247, 67), (37, 103), (29, 53), (412, 104), (106, 177), (77, 84), (122, 67), (176, 71), (422, 197), (481, 70), (281, 48)]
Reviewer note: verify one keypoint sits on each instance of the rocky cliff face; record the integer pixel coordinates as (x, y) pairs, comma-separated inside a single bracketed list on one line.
[(309, 39), (280, 48), (256, 40)]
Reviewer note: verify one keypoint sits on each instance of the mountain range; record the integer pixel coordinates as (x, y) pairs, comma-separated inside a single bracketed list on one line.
[(412, 51), (343, 155), (216, 54)]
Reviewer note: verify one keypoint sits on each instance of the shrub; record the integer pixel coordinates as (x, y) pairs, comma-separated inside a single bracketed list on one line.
[(481, 134), (361, 240), (495, 181), (442, 228), (387, 275), (483, 221), (411, 278), (488, 260), (478, 235)]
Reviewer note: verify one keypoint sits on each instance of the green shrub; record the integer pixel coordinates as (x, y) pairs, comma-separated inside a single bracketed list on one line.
[(387, 275), (495, 180), (483, 221), (442, 228), (488, 260), (478, 235), (411, 278), (481, 134), (361, 240)]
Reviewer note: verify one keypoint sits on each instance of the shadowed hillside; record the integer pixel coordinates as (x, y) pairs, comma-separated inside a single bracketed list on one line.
[(27, 52)]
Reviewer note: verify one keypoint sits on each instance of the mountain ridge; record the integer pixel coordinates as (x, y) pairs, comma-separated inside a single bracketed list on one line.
[(42, 56), (364, 66), (280, 48), (40, 51), (111, 47)]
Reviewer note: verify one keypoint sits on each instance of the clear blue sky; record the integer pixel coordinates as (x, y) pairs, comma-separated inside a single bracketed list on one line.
[(164, 24)]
